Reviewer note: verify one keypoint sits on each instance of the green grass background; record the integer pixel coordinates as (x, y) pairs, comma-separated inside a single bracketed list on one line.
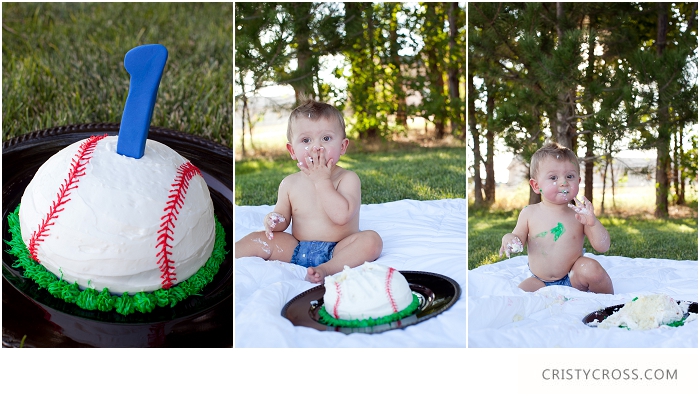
[(414, 173), (634, 237), (62, 64)]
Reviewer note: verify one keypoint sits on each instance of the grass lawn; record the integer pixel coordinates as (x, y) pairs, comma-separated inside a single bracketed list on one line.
[(414, 173), (634, 237), (62, 64)]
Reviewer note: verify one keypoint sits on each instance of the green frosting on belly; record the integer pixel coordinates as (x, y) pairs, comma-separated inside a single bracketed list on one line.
[(557, 231)]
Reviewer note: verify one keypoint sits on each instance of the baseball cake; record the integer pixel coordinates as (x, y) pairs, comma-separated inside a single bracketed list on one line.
[(368, 295), (122, 222), (649, 312)]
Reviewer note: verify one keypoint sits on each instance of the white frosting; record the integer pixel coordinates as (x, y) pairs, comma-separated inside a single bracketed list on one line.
[(647, 312), (107, 233), (368, 291), (516, 247)]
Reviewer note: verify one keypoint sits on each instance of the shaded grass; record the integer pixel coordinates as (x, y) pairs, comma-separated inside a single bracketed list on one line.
[(62, 64), (634, 237), (417, 173)]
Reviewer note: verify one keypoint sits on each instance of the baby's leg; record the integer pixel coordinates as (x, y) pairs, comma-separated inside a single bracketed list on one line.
[(587, 275), (256, 244), (531, 284), (352, 251)]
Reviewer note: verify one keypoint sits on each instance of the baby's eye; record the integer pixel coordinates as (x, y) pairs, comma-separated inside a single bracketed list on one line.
[(554, 178), (569, 177), (326, 138), (305, 140)]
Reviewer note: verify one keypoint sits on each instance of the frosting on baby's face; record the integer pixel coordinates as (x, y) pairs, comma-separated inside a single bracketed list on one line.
[(323, 135), (557, 180)]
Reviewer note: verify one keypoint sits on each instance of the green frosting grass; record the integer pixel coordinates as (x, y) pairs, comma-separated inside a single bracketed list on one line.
[(125, 304), (326, 318)]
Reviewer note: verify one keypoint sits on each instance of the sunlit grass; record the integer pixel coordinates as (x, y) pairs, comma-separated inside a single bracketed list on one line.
[(62, 64), (418, 173), (633, 230)]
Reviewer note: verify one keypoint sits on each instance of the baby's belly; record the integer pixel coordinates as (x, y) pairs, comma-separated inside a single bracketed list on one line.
[(320, 231), (553, 267)]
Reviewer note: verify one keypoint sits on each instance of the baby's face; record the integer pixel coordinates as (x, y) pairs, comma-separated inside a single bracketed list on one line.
[(557, 180), (322, 133)]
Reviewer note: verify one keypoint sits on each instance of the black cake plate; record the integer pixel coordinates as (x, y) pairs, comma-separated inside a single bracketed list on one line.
[(600, 315), (436, 293), (34, 318)]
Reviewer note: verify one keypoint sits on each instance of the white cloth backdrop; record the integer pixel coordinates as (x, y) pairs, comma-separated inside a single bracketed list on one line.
[(501, 315), (418, 236)]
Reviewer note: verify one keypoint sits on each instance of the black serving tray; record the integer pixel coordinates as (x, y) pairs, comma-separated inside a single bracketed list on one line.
[(436, 293), (30, 315)]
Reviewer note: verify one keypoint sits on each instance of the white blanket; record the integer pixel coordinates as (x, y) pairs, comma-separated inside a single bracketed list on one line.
[(417, 235), (501, 315)]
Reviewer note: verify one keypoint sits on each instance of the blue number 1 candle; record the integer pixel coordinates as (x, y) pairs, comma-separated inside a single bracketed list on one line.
[(145, 66)]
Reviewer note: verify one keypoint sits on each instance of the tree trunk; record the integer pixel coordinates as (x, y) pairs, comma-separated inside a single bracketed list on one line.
[(681, 170), (243, 110), (663, 159), (590, 109), (399, 92), (458, 128), (490, 186), (612, 178), (534, 138), (478, 197), (605, 176), (302, 80), (435, 70), (566, 100), (590, 146)]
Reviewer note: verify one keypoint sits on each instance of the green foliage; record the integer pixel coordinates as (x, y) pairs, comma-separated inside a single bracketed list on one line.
[(270, 36), (391, 51), (592, 70), (62, 63), (419, 173)]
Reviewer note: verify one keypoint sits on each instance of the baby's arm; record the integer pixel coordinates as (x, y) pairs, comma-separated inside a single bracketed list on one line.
[(279, 219), (595, 231), (340, 204), (515, 242)]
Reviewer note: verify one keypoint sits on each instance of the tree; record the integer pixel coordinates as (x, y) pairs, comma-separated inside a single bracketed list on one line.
[(257, 57), (393, 50), (615, 87), (455, 69)]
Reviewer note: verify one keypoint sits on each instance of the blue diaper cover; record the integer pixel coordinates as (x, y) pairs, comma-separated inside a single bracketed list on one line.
[(565, 281), (313, 253)]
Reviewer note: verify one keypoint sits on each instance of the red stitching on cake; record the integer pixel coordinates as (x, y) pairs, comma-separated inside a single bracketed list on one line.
[(337, 300), (388, 289), (166, 264), (77, 169)]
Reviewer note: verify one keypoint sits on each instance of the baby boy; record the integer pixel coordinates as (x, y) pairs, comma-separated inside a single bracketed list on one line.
[(554, 229), (322, 198)]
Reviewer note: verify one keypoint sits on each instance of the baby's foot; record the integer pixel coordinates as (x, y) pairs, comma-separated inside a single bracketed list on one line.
[(315, 274)]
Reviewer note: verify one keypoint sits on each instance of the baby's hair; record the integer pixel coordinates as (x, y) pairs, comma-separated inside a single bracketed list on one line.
[(315, 110), (553, 150)]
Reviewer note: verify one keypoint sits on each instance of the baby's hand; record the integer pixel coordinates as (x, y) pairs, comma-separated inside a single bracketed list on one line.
[(271, 220), (316, 166), (510, 244), (584, 211)]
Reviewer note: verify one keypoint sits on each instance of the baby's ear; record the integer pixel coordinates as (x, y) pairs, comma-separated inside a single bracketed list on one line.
[(344, 146), (535, 186), (290, 149)]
